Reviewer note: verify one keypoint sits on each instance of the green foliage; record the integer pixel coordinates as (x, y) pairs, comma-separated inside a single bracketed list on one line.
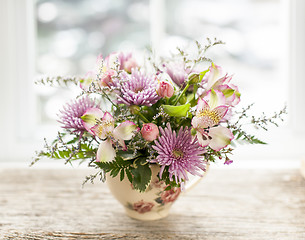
[(114, 167), (58, 81), (211, 155), (74, 149), (176, 111), (141, 175), (137, 171), (241, 136)]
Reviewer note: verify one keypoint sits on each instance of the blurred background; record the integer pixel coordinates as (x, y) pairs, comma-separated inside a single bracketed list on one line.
[(64, 37)]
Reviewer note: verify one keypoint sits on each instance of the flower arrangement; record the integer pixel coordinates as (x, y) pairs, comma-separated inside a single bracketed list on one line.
[(178, 113)]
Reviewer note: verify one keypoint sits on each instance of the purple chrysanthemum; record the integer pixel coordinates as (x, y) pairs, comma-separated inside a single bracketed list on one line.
[(138, 89), (180, 152), (70, 115)]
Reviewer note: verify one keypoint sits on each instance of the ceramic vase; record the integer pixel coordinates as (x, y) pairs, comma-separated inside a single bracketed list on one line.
[(153, 204)]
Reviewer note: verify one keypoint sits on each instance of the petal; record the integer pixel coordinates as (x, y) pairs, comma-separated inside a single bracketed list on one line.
[(202, 105), (86, 82), (105, 152), (99, 130), (108, 117), (125, 130), (196, 122), (220, 137), (215, 98), (91, 117), (213, 75), (224, 80), (203, 139), (220, 111)]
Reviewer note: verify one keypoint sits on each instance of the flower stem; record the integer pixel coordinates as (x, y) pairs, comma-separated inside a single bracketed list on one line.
[(181, 94), (143, 117), (108, 98)]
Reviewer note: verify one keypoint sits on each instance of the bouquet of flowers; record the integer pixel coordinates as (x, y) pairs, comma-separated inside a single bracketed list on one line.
[(177, 112)]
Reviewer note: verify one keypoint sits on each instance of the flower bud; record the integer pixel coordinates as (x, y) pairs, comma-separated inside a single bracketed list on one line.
[(165, 89), (194, 78), (150, 131), (134, 109)]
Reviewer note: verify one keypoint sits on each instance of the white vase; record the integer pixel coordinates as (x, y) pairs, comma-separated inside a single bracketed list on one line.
[(152, 204)]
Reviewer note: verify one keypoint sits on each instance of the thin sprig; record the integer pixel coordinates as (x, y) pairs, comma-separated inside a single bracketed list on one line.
[(57, 81)]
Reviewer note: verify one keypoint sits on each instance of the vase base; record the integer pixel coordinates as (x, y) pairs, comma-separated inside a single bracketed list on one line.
[(148, 216)]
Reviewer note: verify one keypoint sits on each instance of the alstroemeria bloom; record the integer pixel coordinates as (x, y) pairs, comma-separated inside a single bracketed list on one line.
[(102, 125), (213, 80), (206, 122)]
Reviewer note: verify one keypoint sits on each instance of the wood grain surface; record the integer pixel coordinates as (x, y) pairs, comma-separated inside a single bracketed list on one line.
[(227, 204)]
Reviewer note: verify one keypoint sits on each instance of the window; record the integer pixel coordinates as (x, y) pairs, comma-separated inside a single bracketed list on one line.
[(101, 29)]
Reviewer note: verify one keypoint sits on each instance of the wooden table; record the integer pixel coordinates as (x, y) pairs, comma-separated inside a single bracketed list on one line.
[(227, 204)]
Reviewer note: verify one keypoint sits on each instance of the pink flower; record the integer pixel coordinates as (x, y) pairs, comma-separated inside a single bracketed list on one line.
[(127, 62), (106, 78), (165, 89), (150, 131), (170, 195), (143, 207), (208, 116), (128, 65), (101, 124)]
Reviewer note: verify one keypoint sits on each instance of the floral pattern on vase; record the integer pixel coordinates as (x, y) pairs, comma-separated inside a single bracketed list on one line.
[(143, 207), (170, 195), (163, 197)]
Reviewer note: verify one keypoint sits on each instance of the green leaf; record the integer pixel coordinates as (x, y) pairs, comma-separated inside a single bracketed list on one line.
[(141, 177), (176, 111), (202, 74), (190, 97), (127, 155), (115, 166), (129, 175), (114, 172), (122, 174)]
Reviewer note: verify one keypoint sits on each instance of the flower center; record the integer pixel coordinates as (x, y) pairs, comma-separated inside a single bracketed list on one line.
[(177, 153), (212, 115), (138, 89)]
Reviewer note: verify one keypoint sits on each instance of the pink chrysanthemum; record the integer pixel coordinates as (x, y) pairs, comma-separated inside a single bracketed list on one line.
[(70, 115), (138, 89), (180, 152)]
